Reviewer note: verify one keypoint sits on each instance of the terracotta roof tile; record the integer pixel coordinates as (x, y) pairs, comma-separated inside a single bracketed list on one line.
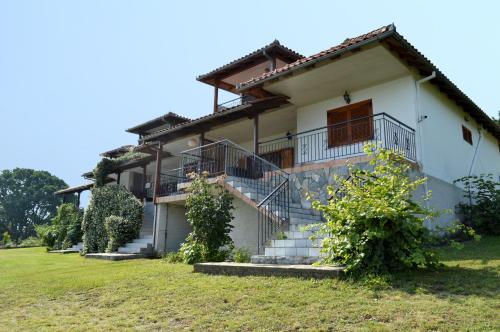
[(348, 42), (275, 43)]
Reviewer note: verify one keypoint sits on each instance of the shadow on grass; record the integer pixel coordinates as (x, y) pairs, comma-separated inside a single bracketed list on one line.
[(450, 281), (485, 250)]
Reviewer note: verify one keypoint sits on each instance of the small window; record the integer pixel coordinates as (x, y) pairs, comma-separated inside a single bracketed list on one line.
[(350, 124), (467, 135)]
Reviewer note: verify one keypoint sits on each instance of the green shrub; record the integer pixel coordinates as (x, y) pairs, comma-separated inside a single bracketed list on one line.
[(209, 211), (66, 226), (373, 224), (47, 235), (110, 200), (482, 212), (241, 255), (6, 238), (31, 241), (281, 236), (107, 166), (173, 258), (121, 231)]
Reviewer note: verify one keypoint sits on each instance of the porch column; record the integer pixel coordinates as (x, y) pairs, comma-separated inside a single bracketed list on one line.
[(118, 178), (201, 142), (78, 199), (256, 134), (156, 189), (143, 190), (216, 97), (160, 228), (157, 172)]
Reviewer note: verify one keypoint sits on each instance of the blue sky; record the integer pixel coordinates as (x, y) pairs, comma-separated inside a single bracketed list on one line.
[(75, 74)]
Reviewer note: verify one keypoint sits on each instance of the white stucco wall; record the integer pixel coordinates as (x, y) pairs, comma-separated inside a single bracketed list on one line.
[(172, 227), (446, 155), (396, 98), (245, 222)]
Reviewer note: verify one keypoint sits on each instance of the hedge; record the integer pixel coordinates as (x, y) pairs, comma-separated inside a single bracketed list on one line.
[(120, 231), (110, 200)]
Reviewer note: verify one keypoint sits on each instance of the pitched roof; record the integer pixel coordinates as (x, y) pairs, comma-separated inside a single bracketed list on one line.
[(407, 52), (348, 42), (228, 114), (75, 189), (118, 151), (276, 47), (156, 122)]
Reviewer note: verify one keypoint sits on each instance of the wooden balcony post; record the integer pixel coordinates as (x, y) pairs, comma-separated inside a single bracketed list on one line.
[(256, 134), (200, 144), (78, 199), (143, 184), (157, 172), (216, 97)]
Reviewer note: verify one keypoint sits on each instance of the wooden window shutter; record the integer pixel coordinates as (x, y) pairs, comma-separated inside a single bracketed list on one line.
[(338, 131), (362, 129), (350, 124), (467, 135)]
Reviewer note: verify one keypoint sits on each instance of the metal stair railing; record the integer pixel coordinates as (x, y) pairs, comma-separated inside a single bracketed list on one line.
[(264, 182)]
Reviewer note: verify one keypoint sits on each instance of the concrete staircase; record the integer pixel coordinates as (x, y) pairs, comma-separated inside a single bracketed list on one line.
[(247, 187), (77, 247), (144, 244), (295, 245)]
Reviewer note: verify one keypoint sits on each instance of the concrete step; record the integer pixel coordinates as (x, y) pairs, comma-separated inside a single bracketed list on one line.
[(301, 270), (284, 260), (294, 243), (305, 216), (148, 240), (303, 221), (303, 252), (114, 256), (299, 235), (77, 247), (300, 227)]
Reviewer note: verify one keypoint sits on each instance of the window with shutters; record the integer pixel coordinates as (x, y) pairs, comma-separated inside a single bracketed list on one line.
[(467, 134), (350, 124)]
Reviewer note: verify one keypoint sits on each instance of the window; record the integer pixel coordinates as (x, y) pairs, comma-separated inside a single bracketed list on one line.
[(350, 124), (467, 135)]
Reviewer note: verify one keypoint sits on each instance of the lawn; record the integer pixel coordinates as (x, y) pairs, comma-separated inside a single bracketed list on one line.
[(40, 291)]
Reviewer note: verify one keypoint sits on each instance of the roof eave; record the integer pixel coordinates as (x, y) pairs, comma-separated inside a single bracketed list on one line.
[(335, 54)]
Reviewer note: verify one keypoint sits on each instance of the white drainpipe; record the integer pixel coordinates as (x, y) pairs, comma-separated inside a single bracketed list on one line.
[(419, 119)]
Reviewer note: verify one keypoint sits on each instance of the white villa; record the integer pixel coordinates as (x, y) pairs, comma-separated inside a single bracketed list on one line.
[(297, 120)]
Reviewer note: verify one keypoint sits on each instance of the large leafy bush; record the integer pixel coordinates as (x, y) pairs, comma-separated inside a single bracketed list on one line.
[(65, 228), (482, 210), (209, 211), (6, 238), (110, 200), (67, 225), (120, 231), (373, 224)]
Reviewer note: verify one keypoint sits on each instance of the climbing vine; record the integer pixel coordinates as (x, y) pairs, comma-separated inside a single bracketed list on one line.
[(106, 166)]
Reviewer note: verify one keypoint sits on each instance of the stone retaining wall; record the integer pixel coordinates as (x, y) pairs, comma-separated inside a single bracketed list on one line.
[(315, 181)]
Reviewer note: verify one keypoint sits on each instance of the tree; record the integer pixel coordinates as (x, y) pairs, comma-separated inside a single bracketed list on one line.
[(27, 199), (209, 211)]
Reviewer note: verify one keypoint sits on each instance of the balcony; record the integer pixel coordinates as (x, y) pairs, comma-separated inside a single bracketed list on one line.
[(235, 103), (341, 140)]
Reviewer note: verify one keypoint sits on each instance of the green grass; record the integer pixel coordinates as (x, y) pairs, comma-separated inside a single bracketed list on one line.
[(40, 291)]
